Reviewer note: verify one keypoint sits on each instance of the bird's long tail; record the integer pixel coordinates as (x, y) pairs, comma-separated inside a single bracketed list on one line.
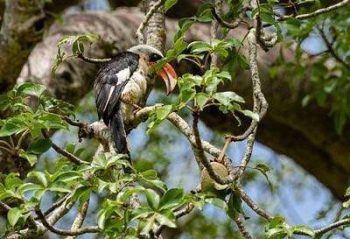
[(116, 127)]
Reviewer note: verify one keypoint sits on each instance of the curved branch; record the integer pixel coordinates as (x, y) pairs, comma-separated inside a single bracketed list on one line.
[(332, 226), (63, 232), (317, 12)]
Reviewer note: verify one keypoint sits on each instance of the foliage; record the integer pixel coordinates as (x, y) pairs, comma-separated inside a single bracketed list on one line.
[(139, 203)]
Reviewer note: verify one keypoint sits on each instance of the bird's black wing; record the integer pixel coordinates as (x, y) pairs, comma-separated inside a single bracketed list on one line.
[(110, 82), (109, 85)]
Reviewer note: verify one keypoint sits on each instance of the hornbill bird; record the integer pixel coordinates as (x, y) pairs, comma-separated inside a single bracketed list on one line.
[(123, 83)]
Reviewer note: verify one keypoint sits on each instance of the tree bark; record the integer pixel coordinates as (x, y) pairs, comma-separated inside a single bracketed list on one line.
[(305, 134)]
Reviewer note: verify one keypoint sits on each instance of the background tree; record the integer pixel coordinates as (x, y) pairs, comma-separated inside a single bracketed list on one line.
[(224, 80)]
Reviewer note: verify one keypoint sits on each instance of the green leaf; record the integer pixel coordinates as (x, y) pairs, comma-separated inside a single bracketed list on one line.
[(347, 192), (148, 226), (199, 47), (12, 126), (149, 174), (30, 88), (171, 198), (39, 176), (277, 221), (13, 215), (234, 205), (165, 220), (218, 203), (101, 219), (201, 99), (346, 204), (40, 146), (276, 233), (53, 121), (31, 158), (251, 114), (226, 98), (12, 181), (262, 167), (225, 75), (28, 187), (163, 111), (152, 198), (169, 4)]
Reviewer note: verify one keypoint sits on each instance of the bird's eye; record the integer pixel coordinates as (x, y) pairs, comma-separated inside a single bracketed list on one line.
[(155, 57)]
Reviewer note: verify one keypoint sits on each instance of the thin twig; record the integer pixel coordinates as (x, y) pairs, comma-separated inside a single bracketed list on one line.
[(6, 144), (6, 149), (79, 219), (81, 55), (71, 157), (56, 204), (242, 229), (199, 153), (247, 154), (93, 60), (332, 226), (63, 232), (140, 29), (252, 204), (317, 12), (331, 49), (21, 138), (5, 206), (224, 149), (230, 25)]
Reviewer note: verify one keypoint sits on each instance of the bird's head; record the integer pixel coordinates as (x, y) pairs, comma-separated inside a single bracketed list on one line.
[(151, 56)]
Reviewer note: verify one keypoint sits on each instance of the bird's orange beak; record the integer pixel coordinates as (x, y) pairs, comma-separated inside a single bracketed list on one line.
[(169, 76)]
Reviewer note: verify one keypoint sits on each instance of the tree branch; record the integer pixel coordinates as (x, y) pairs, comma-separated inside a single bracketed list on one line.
[(4, 206), (79, 219), (79, 231), (252, 204), (331, 49), (71, 157), (242, 229), (332, 226), (150, 13), (21, 29), (317, 12)]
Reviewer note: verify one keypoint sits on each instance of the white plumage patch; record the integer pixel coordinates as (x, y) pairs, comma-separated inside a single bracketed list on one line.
[(123, 75), (109, 97)]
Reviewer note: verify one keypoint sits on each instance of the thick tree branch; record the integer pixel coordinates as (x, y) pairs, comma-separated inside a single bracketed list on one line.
[(22, 28), (144, 23)]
